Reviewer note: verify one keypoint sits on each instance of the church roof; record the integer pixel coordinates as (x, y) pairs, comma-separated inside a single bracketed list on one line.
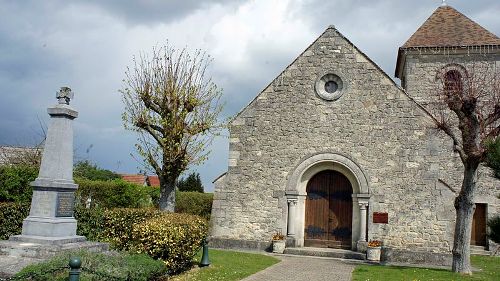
[(447, 27)]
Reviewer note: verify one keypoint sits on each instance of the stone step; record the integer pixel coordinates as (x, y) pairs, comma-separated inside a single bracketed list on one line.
[(479, 250), (325, 252), (34, 250)]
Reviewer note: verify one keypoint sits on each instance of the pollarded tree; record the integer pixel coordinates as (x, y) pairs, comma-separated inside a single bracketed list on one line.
[(175, 107), (467, 109)]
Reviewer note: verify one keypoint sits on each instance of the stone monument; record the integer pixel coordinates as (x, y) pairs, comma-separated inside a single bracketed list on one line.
[(51, 218)]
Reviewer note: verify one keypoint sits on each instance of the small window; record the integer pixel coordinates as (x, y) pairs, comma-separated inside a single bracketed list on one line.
[(453, 82)]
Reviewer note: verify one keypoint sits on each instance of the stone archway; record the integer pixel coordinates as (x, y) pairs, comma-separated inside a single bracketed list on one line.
[(296, 194)]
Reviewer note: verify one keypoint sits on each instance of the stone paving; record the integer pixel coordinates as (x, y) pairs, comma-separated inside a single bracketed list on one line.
[(305, 268)]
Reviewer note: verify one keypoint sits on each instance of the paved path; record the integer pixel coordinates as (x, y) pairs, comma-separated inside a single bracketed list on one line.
[(298, 268)]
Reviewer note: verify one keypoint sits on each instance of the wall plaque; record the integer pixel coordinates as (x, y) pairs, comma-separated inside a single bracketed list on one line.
[(64, 204), (380, 217)]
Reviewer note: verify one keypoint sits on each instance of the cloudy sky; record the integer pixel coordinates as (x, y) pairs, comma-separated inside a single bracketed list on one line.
[(87, 46)]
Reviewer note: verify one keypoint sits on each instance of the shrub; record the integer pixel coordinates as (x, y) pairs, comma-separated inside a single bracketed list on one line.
[(117, 224), (113, 194), (494, 232), (493, 157), (15, 183), (194, 203), (88, 170), (11, 218), (174, 238), (90, 222), (96, 266)]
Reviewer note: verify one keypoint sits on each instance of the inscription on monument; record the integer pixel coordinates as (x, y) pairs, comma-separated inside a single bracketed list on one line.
[(65, 203), (380, 217)]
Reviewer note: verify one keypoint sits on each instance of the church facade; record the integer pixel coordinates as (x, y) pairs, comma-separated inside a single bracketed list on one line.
[(333, 153)]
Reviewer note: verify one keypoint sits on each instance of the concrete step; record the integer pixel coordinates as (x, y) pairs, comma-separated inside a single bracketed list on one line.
[(479, 250), (325, 252), (37, 251)]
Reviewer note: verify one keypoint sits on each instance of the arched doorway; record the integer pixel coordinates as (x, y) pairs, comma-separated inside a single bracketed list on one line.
[(328, 211)]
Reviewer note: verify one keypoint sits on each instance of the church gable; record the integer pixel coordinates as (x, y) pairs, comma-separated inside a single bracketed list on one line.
[(330, 60)]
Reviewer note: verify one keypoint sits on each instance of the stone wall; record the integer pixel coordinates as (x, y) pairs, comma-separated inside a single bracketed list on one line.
[(407, 163)]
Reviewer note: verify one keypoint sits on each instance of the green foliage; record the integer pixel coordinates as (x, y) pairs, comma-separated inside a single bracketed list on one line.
[(194, 203), (493, 157), (88, 170), (15, 182), (173, 238), (190, 183), (494, 232), (11, 218), (228, 265), (174, 107), (116, 226), (113, 194), (96, 266), (488, 270)]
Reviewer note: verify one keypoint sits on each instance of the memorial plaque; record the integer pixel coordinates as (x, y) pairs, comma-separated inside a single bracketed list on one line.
[(380, 217), (65, 203)]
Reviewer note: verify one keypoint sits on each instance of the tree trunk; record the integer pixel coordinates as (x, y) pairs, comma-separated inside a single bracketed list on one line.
[(167, 196), (464, 206)]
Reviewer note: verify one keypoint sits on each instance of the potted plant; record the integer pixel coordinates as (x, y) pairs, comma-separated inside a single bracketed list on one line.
[(278, 243), (373, 250)]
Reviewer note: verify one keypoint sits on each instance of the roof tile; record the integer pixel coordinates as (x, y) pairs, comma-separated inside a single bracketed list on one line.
[(447, 27)]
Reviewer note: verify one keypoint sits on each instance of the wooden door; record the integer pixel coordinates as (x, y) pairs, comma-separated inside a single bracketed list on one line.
[(328, 221), (478, 235)]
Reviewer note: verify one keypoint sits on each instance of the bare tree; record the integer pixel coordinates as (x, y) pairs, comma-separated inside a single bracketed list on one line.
[(25, 155), (174, 106), (466, 107)]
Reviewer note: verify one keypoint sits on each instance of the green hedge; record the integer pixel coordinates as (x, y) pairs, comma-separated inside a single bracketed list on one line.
[(113, 194), (194, 203), (96, 266), (11, 218), (173, 238), (15, 183)]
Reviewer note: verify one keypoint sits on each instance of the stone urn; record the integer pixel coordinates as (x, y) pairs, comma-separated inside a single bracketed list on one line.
[(373, 250), (279, 246)]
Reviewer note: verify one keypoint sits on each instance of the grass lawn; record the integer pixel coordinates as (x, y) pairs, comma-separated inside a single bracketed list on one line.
[(227, 265), (489, 270)]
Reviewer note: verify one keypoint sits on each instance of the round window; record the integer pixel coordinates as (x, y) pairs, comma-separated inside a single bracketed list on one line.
[(329, 87)]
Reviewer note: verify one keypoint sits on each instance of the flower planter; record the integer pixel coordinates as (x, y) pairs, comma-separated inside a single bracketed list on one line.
[(373, 253), (278, 246)]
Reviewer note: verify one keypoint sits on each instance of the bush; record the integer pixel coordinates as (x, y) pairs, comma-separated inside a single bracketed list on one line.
[(15, 183), (113, 194), (96, 266), (493, 157), (117, 224), (11, 218), (494, 233), (194, 203), (174, 238), (89, 222), (88, 170)]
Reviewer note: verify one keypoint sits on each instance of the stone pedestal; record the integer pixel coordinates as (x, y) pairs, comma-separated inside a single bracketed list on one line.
[(51, 218)]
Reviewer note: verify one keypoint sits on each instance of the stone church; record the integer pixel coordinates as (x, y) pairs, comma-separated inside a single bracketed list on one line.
[(333, 153)]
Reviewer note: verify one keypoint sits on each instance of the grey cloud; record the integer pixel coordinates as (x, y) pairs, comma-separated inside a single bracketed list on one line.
[(155, 11)]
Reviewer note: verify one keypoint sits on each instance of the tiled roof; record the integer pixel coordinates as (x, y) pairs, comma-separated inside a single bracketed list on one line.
[(153, 181), (448, 27), (137, 179)]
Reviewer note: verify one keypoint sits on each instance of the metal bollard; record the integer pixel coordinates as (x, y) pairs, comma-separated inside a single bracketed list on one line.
[(74, 273), (204, 257)]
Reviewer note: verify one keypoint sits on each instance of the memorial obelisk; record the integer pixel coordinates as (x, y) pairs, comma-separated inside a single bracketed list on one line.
[(51, 219)]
